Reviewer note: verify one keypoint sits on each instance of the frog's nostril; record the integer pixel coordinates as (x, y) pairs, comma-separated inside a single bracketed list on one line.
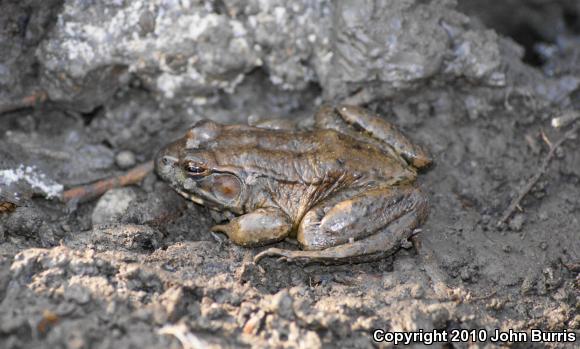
[(168, 160)]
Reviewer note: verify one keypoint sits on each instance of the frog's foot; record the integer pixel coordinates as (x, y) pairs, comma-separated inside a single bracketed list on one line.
[(220, 239), (286, 255)]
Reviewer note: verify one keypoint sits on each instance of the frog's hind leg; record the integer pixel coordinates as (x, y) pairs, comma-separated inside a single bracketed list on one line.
[(385, 131), (373, 230), (347, 119)]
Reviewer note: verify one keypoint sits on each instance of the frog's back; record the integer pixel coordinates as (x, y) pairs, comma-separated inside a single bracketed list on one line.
[(307, 157)]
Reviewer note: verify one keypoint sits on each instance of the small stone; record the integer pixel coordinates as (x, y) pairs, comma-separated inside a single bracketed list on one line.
[(406, 244), (112, 205), (254, 324), (517, 222), (543, 215), (125, 159), (465, 274), (494, 304), (65, 308), (389, 281), (77, 294), (417, 291), (282, 304), (174, 302), (485, 219), (310, 340), (528, 285), (543, 245)]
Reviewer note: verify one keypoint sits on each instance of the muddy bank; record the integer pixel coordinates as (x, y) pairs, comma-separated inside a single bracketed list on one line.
[(113, 82)]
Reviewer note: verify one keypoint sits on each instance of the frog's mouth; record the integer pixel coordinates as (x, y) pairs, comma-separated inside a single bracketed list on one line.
[(198, 200), (190, 196)]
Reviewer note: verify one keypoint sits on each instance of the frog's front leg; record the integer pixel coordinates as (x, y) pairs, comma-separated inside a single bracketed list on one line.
[(261, 227), (369, 226)]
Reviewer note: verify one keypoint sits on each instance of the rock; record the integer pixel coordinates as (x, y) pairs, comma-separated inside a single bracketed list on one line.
[(434, 316), (112, 205), (309, 340), (24, 24), (125, 159), (282, 304), (173, 303), (529, 284), (417, 291), (92, 48), (77, 294), (409, 41), (124, 237), (517, 222), (24, 181), (203, 48), (64, 156), (254, 323)]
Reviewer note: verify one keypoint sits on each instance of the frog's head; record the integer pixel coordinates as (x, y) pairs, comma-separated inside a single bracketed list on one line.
[(192, 171)]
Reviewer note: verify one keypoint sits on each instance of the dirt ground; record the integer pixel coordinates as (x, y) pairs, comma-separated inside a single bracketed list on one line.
[(138, 268)]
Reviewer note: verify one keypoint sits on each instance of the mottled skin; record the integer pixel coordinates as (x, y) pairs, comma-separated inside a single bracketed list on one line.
[(344, 190)]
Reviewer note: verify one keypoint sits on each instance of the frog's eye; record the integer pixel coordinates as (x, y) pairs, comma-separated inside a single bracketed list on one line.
[(195, 168)]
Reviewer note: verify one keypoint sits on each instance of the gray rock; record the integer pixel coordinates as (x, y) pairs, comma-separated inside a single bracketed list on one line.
[(111, 206), (181, 50), (125, 159), (428, 318), (517, 222), (122, 237), (24, 181), (24, 24), (310, 340), (282, 304), (61, 151), (185, 51), (77, 294)]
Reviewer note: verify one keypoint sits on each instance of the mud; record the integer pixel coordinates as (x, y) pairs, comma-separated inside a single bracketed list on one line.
[(138, 267)]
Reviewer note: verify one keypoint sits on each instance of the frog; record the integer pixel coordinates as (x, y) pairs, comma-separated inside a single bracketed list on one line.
[(343, 190)]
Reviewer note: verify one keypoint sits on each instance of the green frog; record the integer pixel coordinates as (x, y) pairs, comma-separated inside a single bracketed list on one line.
[(342, 189)]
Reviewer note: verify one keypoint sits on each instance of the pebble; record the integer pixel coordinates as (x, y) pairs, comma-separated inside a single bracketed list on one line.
[(517, 222), (282, 303), (125, 159)]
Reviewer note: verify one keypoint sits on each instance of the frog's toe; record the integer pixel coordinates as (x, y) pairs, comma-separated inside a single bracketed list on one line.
[(220, 239), (283, 255), (289, 256), (271, 252)]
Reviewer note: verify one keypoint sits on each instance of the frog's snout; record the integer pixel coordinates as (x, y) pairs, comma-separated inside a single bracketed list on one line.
[(165, 163), (167, 160)]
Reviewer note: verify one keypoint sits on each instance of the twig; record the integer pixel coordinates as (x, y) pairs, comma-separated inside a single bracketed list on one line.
[(25, 102), (91, 191), (515, 204)]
